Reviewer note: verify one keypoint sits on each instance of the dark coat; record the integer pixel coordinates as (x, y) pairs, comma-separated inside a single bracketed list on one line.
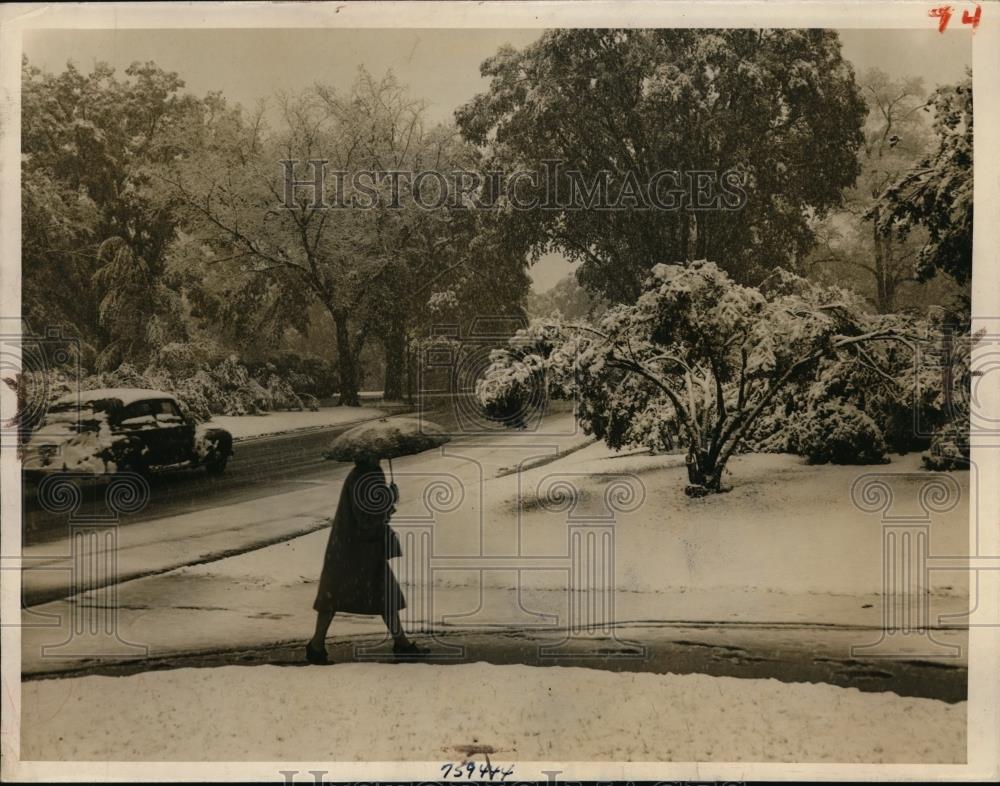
[(356, 577)]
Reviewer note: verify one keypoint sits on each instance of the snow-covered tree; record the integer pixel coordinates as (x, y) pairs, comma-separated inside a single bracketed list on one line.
[(936, 193), (95, 234), (374, 269), (851, 250), (697, 358), (270, 263), (619, 106)]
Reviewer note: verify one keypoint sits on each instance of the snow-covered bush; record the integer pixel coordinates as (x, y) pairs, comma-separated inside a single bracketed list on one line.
[(240, 393), (310, 402), (949, 450), (182, 360), (226, 389), (204, 382), (306, 374), (697, 361), (124, 376), (197, 395), (837, 432), (281, 393), (508, 395), (908, 390), (825, 419)]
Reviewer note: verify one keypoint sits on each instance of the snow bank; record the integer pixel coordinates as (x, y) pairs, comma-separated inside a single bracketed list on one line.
[(422, 712), (247, 426)]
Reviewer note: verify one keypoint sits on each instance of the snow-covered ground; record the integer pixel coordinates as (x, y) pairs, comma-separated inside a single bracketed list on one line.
[(248, 426), (787, 545), (420, 712)]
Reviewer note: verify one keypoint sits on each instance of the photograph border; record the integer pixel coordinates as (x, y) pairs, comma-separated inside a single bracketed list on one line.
[(983, 728)]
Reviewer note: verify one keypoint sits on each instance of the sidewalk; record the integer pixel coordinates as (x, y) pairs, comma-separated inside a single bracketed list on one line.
[(789, 653)]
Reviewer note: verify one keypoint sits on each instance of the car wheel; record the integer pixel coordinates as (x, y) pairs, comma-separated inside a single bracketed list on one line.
[(134, 463), (216, 465)]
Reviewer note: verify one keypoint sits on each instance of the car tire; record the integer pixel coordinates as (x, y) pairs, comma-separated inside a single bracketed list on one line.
[(132, 462), (216, 465)]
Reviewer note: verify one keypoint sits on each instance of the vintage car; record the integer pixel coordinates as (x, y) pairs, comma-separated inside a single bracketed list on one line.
[(122, 429)]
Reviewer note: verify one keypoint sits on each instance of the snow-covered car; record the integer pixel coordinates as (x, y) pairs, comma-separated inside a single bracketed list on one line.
[(122, 429)]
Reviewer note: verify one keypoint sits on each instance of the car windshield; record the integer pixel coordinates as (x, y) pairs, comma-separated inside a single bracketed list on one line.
[(150, 413), (157, 409)]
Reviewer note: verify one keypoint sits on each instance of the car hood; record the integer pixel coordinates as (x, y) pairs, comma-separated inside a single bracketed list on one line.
[(87, 451)]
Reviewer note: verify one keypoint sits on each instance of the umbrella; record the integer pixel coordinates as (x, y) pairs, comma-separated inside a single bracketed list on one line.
[(386, 439)]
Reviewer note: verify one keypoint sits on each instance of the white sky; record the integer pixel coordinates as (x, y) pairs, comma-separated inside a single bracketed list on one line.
[(441, 66)]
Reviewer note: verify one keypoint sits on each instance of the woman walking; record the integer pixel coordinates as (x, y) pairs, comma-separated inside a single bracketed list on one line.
[(356, 577)]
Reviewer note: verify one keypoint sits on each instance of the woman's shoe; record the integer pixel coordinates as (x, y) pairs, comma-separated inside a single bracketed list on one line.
[(410, 650), (316, 657)]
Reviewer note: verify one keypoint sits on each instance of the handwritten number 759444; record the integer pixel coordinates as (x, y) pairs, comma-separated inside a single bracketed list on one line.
[(469, 770)]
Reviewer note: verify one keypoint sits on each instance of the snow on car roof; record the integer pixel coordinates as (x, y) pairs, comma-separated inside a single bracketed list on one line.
[(125, 395)]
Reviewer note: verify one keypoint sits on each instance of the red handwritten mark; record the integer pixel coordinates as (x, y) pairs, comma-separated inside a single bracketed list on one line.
[(972, 20), (944, 14)]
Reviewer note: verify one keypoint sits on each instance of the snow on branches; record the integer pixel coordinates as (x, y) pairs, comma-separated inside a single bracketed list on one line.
[(695, 362)]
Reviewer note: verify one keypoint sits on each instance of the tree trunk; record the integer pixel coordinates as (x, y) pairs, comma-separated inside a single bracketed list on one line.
[(685, 236), (394, 344), (704, 473), (701, 235), (411, 370), (347, 365), (883, 294)]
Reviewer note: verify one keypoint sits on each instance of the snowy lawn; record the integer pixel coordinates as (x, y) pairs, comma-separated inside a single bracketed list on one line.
[(785, 527), (419, 712), (248, 426)]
